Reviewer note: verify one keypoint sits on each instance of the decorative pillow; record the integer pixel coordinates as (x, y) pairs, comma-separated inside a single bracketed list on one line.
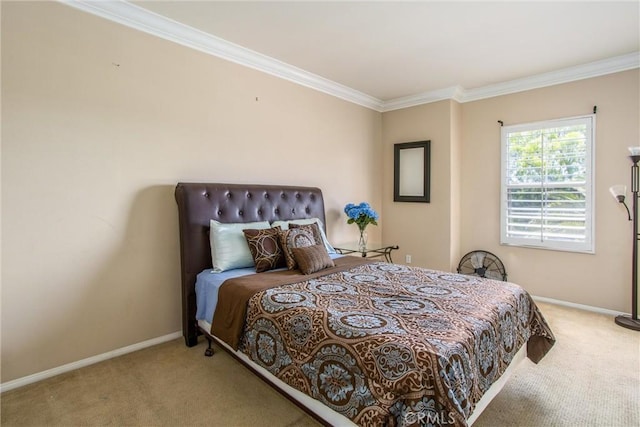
[(285, 226), (296, 238), (315, 229), (265, 248), (229, 248), (312, 258)]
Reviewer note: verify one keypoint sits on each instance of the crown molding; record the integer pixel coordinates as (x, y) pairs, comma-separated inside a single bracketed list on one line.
[(141, 19), (566, 75), (454, 92)]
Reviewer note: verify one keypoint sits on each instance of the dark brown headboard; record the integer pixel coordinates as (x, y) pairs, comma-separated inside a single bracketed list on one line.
[(229, 203)]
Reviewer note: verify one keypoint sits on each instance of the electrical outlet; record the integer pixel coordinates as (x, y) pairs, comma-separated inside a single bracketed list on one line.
[(407, 259)]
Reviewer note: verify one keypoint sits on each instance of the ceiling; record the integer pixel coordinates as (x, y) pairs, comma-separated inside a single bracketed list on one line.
[(393, 50)]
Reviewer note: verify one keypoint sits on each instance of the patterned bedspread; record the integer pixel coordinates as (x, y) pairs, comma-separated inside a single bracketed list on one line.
[(386, 344)]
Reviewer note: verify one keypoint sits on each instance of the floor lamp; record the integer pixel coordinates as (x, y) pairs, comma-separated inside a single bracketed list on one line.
[(619, 192)]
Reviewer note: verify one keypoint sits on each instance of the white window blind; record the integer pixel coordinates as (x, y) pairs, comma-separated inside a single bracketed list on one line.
[(547, 180)]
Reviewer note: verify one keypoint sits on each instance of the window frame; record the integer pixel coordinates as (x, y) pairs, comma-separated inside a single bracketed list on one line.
[(588, 246)]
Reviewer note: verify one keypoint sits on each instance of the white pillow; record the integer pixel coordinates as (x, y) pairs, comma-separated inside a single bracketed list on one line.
[(229, 248), (285, 226)]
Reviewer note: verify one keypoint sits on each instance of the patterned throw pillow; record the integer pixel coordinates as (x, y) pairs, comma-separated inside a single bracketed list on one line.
[(312, 258), (298, 237), (315, 229), (265, 248), (285, 225)]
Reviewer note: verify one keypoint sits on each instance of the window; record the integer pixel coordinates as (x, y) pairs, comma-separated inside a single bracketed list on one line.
[(547, 175)]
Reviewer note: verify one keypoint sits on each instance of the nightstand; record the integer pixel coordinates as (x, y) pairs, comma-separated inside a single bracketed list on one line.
[(372, 250)]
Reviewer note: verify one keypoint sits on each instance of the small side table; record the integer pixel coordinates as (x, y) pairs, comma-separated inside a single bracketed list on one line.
[(372, 250)]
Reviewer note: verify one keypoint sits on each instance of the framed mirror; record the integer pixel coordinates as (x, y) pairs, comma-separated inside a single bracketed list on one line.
[(411, 171)]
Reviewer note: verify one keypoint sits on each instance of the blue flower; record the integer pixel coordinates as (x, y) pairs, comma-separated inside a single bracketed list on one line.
[(362, 215)]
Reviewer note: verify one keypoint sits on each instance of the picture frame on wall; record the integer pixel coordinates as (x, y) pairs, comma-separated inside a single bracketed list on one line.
[(411, 171)]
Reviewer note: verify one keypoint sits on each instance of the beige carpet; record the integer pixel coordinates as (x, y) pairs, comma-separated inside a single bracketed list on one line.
[(590, 378)]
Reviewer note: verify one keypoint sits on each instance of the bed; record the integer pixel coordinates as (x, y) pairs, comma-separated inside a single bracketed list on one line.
[(358, 342)]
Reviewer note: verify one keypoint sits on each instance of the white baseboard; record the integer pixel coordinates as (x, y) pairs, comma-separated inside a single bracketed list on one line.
[(10, 385), (578, 306)]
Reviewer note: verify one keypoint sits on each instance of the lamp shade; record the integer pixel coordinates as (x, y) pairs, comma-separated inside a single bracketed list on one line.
[(619, 192)]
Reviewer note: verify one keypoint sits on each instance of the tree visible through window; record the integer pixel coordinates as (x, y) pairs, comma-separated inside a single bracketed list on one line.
[(547, 199)]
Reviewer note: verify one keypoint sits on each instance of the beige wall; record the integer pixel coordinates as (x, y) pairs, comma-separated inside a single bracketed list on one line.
[(465, 185), (91, 152), (455, 186), (603, 279), (422, 230)]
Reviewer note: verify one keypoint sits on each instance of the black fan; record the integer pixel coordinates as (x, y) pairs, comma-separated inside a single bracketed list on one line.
[(483, 264)]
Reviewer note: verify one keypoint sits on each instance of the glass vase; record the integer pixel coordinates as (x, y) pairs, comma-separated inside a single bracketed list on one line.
[(362, 242)]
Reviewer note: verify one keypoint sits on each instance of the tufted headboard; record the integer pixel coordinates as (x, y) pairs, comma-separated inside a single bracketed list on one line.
[(229, 203)]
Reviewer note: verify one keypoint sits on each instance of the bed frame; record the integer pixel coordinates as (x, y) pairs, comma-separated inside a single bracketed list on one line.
[(229, 203)]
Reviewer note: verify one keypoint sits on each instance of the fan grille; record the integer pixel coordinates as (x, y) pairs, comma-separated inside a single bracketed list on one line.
[(482, 264)]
